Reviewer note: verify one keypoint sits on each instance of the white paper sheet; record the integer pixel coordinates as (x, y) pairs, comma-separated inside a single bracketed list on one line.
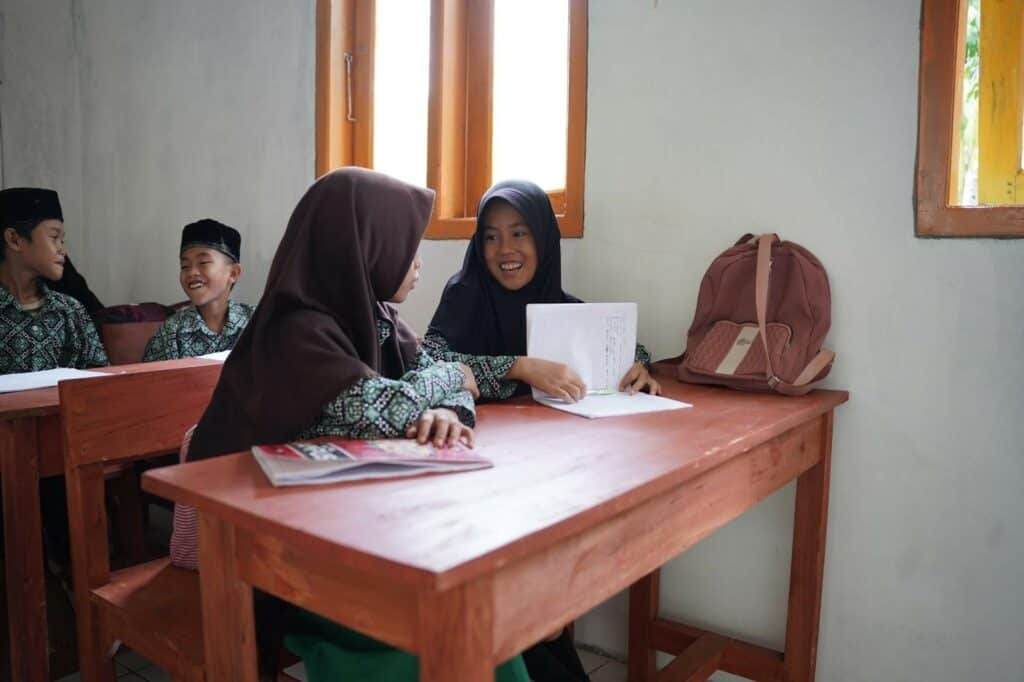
[(26, 381), (615, 405), (220, 355), (598, 340)]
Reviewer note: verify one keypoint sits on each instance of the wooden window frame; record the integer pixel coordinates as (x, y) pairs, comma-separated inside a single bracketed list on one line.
[(940, 83), (459, 108)]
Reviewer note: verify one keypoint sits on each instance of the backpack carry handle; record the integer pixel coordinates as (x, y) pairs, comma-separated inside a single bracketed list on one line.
[(750, 237)]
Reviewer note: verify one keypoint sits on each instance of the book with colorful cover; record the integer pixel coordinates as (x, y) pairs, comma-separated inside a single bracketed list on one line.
[(329, 461)]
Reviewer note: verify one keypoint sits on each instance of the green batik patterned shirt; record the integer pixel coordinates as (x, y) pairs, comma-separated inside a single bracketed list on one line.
[(185, 335), (59, 333), (490, 370), (376, 407)]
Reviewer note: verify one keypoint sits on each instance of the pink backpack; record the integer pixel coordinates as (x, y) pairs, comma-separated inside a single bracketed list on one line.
[(763, 311)]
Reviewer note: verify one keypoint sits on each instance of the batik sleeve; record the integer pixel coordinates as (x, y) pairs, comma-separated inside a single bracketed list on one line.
[(376, 407), (490, 371), (642, 356)]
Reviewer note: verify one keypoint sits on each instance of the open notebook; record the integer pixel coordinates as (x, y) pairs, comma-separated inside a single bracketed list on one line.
[(598, 340)]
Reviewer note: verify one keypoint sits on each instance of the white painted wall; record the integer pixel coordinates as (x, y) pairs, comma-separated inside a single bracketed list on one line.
[(39, 104), (706, 120), (146, 115)]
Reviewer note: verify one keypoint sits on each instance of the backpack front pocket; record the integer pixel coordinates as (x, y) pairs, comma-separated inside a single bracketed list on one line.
[(734, 350)]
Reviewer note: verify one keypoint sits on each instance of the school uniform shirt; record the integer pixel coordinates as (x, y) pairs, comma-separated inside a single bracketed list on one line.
[(58, 333), (185, 335), (490, 370), (377, 407)]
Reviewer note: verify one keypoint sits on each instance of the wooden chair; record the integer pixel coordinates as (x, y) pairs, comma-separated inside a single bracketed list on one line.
[(153, 607)]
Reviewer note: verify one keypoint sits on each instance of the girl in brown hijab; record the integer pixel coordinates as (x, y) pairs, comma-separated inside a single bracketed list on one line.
[(325, 354)]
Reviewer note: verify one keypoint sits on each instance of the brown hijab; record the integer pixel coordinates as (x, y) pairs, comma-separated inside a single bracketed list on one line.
[(347, 249)]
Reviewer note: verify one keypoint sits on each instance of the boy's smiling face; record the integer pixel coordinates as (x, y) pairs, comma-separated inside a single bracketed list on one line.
[(43, 253), (207, 275)]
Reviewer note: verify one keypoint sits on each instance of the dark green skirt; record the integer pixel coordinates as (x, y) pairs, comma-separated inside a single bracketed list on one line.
[(333, 653)]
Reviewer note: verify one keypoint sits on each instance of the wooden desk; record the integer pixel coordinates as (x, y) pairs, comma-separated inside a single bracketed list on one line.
[(469, 569), (30, 449)]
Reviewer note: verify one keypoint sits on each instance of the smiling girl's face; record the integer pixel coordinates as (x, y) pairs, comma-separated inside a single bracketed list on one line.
[(509, 250)]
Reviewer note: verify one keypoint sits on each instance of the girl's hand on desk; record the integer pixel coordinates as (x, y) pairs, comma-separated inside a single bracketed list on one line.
[(470, 381), (637, 379), (442, 426), (554, 378)]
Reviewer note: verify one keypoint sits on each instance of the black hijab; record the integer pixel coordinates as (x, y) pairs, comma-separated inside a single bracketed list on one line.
[(74, 285), (479, 316), (346, 250)]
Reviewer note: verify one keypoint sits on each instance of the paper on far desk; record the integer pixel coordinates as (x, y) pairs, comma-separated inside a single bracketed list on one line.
[(26, 381), (615, 405), (219, 355)]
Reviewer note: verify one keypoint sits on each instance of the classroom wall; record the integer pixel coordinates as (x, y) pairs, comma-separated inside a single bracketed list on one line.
[(147, 115), (705, 120), (39, 101)]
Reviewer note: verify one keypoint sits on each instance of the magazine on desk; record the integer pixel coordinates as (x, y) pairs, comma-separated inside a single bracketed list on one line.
[(307, 463)]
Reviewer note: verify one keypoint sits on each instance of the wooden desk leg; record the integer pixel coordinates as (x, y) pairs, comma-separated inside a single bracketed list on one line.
[(643, 609), (229, 633), (808, 565), (23, 545), (456, 634)]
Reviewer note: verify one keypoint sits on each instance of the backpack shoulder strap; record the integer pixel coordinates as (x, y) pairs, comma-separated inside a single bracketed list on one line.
[(802, 384)]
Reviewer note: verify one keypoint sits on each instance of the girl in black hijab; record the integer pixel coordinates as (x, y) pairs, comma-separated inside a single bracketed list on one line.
[(514, 258)]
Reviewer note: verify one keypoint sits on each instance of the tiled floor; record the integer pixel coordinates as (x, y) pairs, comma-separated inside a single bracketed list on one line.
[(133, 668), (601, 669)]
